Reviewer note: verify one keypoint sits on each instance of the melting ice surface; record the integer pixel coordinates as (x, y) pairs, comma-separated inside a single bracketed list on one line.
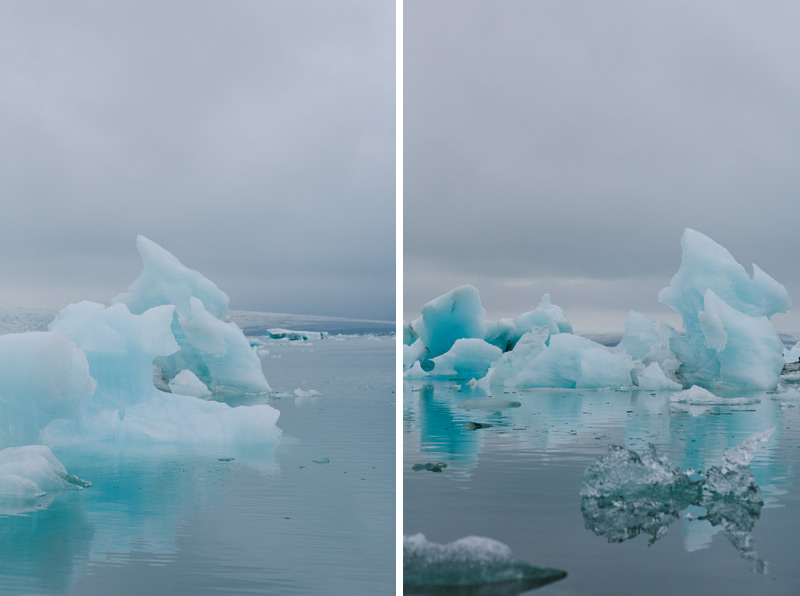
[(625, 493), (471, 565)]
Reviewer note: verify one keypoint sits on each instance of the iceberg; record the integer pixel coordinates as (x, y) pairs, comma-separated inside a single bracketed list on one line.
[(90, 377), (729, 342), (472, 562), (214, 349), (455, 315), (625, 493)]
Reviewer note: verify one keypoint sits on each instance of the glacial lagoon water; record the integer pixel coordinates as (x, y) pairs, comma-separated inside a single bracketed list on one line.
[(513, 470), (315, 515)]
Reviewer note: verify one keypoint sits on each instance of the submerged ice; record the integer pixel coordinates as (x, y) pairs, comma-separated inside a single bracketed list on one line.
[(473, 561), (728, 342), (625, 493)]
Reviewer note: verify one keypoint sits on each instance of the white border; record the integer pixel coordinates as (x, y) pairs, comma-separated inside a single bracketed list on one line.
[(398, 394)]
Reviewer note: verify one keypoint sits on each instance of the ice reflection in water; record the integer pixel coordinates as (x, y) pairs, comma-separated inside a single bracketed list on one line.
[(134, 510), (510, 455)]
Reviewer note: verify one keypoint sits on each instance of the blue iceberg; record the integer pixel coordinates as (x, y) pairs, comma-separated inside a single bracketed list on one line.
[(92, 376), (728, 343)]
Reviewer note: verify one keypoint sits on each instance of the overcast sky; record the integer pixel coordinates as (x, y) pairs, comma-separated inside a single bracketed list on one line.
[(252, 139), (564, 146)]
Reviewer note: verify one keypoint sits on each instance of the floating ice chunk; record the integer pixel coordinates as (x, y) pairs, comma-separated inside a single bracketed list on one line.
[(697, 396), (165, 280), (455, 315), (733, 461), (296, 335), (309, 393), (624, 494), (729, 342), (186, 383), (32, 471), (43, 376), (468, 358), (471, 561)]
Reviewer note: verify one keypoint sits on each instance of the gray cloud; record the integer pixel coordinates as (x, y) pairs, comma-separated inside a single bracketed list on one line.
[(571, 143), (254, 140)]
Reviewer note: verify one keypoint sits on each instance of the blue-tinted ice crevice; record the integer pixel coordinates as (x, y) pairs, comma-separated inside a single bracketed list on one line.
[(625, 493)]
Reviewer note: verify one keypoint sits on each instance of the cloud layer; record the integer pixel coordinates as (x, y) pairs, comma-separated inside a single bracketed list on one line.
[(254, 140), (566, 145)]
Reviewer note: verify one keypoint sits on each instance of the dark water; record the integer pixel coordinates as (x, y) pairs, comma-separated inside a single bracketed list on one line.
[(171, 520), (514, 474)]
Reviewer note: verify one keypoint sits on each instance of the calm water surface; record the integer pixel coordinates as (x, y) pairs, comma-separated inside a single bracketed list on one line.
[(518, 481), (170, 520)]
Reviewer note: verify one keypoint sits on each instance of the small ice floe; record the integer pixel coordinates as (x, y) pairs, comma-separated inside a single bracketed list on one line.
[(697, 396), (471, 565), (304, 397), (32, 471), (625, 493), (296, 335)]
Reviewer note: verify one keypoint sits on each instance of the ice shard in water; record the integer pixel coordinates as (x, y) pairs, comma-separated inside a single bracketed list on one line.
[(471, 565), (625, 493)]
